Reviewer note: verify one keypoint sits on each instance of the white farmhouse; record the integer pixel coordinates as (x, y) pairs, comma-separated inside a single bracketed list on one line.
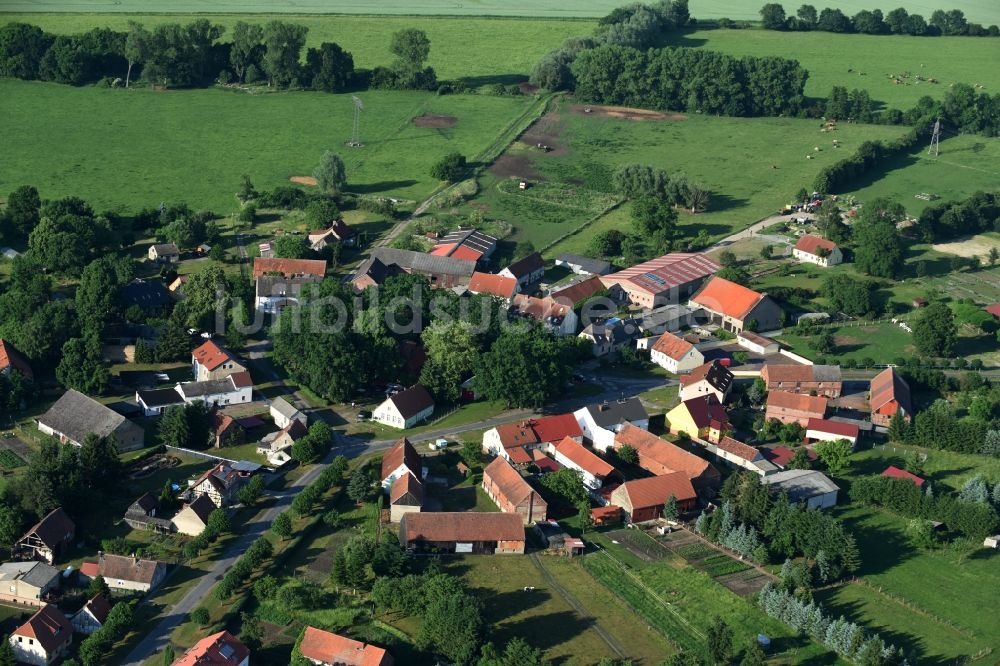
[(43, 639), (675, 354), (405, 409), (233, 390), (600, 422), (815, 250)]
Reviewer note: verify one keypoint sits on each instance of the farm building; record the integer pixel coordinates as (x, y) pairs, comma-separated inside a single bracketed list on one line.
[(514, 441), (526, 271), (737, 454), (782, 455), (467, 245), (92, 616), (675, 354), (757, 344), (220, 648), (735, 307), (670, 318), (463, 532), (794, 407), (284, 413), (401, 459), (825, 430), (889, 394), (405, 409), (661, 457), (594, 469), (606, 516), (193, 517), (577, 291), (494, 285), (810, 487), (642, 500), (27, 583), (324, 648), (12, 360), (405, 496), (163, 253), (339, 232), (141, 515), (819, 251), (122, 572), (47, 540), (273, 293), (511, 493), (711, 378), (600, 422), (554, 317), (441, 272), (823, 380), (583, 265), (665, 280), (894, 472), (74, 416), (289, 268)]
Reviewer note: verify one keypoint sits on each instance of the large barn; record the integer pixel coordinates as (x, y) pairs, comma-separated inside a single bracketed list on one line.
[(463, 532)]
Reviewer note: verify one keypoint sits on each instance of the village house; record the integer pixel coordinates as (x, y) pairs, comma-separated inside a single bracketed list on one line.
[(889, 394), (324, 648), (697, 417), (794, 407), (675, 354), (74, 416), (600, 422), (494, 285), (225, 430), (44, 639), (11, 360), (148, 295), (289, 268), (221, 649), (511, 493), (131, 573), (236, 389), (273, 293), (467, 245), (894, 472), (463, 532), (141, 515), (163, 253), (526, 271), (824, 380), (735, 307), (606, 516), (757, 344), (593, 469), (669, 318), (405, 496), (611, 335), (665, 280), (339, 232), (780, 456), (712, 378), (583, 265), (92, 616), (809, 487), (815, 250), (220, 484), (401, 459), (284, 413), (48, 540), (193, 517), (556, 318), (576, 292), (825, 430), (642, 500), (156, 401), (738, 454), (515, 441), (385, 262), (406, 408), (27, 583), (658, 456), (213, 361), (276, 446)]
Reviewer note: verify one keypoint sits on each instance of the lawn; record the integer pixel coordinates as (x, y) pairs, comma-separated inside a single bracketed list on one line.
[(478, 50), (129, 149), (942, 468), (967, 164), (752, 167), (867, 61)]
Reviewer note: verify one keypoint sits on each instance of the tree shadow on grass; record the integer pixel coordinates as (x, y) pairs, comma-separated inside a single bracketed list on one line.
[(545, 631), (875, 175), (493, 79), (381, 186), (720, 202)]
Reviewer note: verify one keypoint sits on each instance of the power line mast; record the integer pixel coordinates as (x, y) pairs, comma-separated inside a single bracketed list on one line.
[(355, 141), (935, 139)]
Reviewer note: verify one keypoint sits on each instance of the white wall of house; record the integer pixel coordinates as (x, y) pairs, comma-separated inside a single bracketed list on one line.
[(700, 389), (491, 442), (397, 511), (686, 363), (122, 584), (835, 257), (395, 474), (602, 438), (387, 414), (30, 651), (589, 480), (822, 436), (84, 622), (234, 397)]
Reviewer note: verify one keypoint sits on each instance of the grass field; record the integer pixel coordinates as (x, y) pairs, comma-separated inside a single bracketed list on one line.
[(984, 11), (752, 166), (478, 50), (828, 57), (128, 149)]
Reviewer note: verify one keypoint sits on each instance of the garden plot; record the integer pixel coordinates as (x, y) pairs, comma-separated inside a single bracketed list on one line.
[(639, 544)]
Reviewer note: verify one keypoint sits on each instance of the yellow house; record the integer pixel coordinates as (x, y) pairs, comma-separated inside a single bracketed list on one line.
[(697, 417)]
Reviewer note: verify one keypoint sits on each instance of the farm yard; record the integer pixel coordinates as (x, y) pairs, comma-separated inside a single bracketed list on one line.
[(127, 150)]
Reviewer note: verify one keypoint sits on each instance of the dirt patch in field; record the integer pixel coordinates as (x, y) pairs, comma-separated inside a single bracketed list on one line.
[(842, 340), (623, 112), (303, 180), (527, 88), (977, 246), (514, 166), (438, 122), (545, 136), (744, 583)]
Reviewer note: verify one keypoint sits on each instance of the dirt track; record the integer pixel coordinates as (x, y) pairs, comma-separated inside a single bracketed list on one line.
[(437, 122), (623, 112)]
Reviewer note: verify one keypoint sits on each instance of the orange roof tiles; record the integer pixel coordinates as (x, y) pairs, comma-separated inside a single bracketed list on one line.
[(812, 404), (738, 448), (811, 244), (887, 386), (848, 430), (406, 484), (555, 427), (221, 649), (672, 346), (329, 648), (658, 455), (401, 453), (507, 480), (655, 490), (583, 458), (462, 526), (516, 434), (289, 267), (211, 355), (49, 627), (11, 358), (731, 299), (518, 455), (576, 292), (496, 285)]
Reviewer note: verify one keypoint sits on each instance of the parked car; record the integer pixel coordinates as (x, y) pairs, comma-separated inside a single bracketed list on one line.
[(162, 377), (364, 415)]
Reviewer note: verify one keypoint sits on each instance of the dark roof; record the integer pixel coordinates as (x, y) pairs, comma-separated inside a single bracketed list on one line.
[(717, 375), (49, 627), (159, 397), (144, 505), (461, 526), (401, 453), (213, 386), (616, 333), (165, 248), (612, 413), (412, 401), (99, 608), (145, 294), (418, 262), (595, 266), (53, 528), (530, 264), (378, 271), (76, 416), (407, 484), (127, 568), (202, 506)]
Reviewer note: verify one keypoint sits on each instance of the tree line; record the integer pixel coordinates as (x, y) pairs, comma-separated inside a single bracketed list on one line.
[(192, 55), (979, 213), (872, 22)]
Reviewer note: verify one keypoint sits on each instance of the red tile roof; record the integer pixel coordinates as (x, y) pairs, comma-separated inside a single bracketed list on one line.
[(811, 404), (462, 526), (543, 462), (705, 409), (887, 386), (664, 273), (738, 448), (99, 608), (993, 309), (289, 267), (584, 458), (811, 244), (785, 373), (443, 249), (507, 480), (731, 299), (496, 285), (49, 627), (609, 511), (401, 453), (576, 292), (848, 430), (406, 484), (555, 427), (896, 473), (518, 455), (11, 358), (466, 253), (658, 455), (211, 355), (672, 346), (241, 379), (781, 455), (89, 569), (654, 491), (516, 434), (329, 648), (221, 649), (538, 309)]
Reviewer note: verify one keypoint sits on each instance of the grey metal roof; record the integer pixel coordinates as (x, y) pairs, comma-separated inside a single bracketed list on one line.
[(160, 397), (421, 262), (36, 574), (207, 387), (527, 265), (283, 407), (166, 248), (145, 294), (595, 266), (76, 416), (612, 413), (826, 373), (801, 484), (664, 314), (473, 238)]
